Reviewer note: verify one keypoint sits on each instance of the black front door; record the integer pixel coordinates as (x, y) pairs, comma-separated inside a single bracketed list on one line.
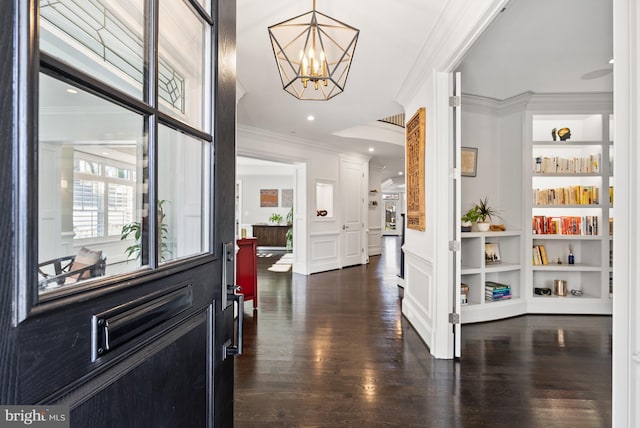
[(116, 202)]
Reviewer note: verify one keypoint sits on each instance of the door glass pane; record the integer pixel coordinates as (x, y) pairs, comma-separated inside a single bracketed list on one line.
[(183, 194), (183, 77), (105, 39), (90, 180), (389, 216)]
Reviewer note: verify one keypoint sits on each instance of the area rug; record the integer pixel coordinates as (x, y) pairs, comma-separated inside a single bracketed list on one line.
[(283, 264)]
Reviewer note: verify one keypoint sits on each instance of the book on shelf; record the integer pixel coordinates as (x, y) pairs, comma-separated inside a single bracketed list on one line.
[(539, 255), (564, 225), (496, 285), (571, 195), (611, 195), (574, 165)]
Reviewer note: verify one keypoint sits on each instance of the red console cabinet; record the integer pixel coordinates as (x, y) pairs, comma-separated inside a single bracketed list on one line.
[(247, 269)]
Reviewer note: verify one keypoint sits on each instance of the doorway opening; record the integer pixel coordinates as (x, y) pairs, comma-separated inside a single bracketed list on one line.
[(521, 85)]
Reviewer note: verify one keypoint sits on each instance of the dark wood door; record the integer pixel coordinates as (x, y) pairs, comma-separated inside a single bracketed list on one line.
[(148, 347)]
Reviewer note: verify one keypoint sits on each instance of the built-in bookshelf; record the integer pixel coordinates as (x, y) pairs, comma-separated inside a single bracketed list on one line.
[(569, 199), (494, 258)]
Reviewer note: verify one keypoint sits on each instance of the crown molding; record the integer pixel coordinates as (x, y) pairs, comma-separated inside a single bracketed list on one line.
[(577, 102), (458, 26), (305, 148)]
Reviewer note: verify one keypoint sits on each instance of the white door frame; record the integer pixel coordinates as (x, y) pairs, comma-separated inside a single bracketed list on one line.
[(626, 242)]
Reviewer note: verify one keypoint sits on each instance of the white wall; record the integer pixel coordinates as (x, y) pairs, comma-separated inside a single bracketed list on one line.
[(320, 237), (252, 212), (480, 130), (495, 128)]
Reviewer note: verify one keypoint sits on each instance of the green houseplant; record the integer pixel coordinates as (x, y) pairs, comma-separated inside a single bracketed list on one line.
[(276, 218), (135, 228), (470, 217), (486, 213), (289, 234)]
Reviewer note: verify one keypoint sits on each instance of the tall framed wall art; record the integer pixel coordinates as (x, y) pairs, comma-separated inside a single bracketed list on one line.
[(415, 136)]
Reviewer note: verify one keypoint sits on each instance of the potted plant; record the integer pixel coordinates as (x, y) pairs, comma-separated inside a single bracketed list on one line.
[(135, 228), (485, 214), (469, 218), (275, 218)]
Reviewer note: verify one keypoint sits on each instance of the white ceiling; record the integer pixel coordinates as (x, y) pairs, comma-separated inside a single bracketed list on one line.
[(541, 46), (391, 35)]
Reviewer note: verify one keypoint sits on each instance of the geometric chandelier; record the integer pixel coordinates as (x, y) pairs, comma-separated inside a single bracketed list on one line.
[(313, 52)]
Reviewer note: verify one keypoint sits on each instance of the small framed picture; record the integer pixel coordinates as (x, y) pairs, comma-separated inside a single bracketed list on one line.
[(468, 161), (491, 253)]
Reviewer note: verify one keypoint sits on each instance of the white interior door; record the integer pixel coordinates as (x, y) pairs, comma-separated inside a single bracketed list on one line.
[(352, 238)]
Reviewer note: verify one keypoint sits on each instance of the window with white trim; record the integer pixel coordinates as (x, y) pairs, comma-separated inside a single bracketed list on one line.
[(103, 196)]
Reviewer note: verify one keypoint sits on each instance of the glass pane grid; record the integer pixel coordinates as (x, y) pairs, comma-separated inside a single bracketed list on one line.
[(91, 27), (100, 160)]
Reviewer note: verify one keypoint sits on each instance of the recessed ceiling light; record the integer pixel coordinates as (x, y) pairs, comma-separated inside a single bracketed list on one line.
[(371, 149), (400, 173), (72, 91), (611, 61), (311, 118)]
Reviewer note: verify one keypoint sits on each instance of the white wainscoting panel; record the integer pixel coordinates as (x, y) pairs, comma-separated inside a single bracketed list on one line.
[(417, 304), (324, 251), (375, 241)]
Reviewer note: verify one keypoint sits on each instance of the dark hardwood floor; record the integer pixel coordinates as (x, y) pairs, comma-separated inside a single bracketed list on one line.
[(332, 350)]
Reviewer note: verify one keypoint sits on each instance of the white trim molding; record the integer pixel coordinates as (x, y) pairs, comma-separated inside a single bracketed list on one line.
[(626, 242)]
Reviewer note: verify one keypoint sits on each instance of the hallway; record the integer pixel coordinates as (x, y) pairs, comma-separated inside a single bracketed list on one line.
[(332, 350)]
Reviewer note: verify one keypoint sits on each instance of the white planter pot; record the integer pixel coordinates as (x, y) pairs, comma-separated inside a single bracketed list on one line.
[(483, 227)]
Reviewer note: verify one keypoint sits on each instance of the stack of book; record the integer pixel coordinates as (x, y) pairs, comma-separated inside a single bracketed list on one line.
[(494, 291)]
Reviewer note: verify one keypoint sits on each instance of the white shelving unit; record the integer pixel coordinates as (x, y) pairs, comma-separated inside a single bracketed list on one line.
[(475, 272), (590, 139)]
